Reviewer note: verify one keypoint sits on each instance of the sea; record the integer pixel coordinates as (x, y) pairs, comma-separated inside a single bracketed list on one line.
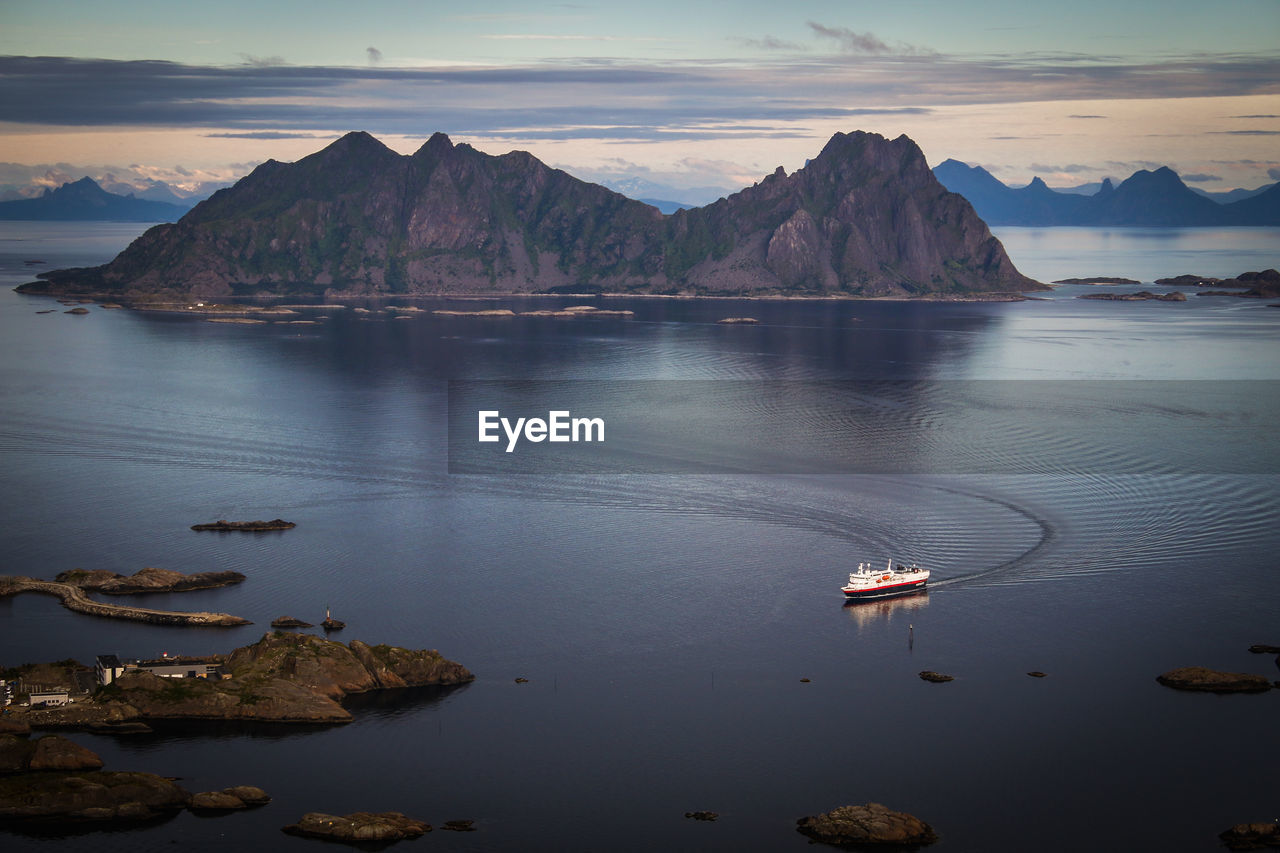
[(1094, 485)]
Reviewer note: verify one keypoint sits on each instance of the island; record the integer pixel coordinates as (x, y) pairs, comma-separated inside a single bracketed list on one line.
[(282, 678), (246, 526), (1101, 279), (1140, 296), (1206, 680), (864, 218), (867, 825), (146, 580), (1257, 285)]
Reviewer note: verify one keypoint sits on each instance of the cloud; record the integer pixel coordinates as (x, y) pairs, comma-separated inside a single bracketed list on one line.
[(261, 61), (770, 43), (374, 55), (1200, 178), (1256, 116), (264, 134), (864, 43), (850, 41), (1070, 169), (602, 99), (1078, 116), (1247, 132)]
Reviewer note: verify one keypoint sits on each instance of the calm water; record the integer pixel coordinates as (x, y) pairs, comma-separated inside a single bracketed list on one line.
[(1096, 530)]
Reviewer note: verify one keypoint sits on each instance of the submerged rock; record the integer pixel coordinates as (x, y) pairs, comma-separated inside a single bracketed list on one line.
[(701, 815), (936, 677), (358, 826), (1212, 681), (871, 824)]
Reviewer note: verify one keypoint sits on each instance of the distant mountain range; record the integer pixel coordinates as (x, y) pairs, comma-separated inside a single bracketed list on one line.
[(1147, 198), (865, 217), (84, 200)]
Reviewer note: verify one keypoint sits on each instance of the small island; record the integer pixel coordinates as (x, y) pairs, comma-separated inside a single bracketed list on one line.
[(738, 321), (868, 825), (282, 678), (246, 526), (1206, 680), (1140, 296), (1100, 279)]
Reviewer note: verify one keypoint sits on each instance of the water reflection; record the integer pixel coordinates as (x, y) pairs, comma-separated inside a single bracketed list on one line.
[(876, 612)]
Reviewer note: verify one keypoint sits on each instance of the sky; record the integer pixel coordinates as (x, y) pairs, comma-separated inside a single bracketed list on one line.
[(682, 94)]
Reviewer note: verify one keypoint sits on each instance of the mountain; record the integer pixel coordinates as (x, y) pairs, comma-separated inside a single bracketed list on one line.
[(85, 200), (865, 217), (1156, 198), (1228, 196), (666, 206), (643, 189), (1261, 209)]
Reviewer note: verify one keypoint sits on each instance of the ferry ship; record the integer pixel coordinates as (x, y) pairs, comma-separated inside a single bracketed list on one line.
[(869, 583)]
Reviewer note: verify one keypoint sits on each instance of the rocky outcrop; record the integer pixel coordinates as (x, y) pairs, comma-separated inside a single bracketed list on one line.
[(214, 801), (936, 677), (228, 799), (289, 622), (146, 580), (358, 827), (52, 752), (46, 778), (865, 217), (869, 825), (1212, 681), (1252, 836), (99, 795)]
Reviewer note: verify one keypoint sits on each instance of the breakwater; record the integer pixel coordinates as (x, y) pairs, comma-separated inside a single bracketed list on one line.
[(74, 598)]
